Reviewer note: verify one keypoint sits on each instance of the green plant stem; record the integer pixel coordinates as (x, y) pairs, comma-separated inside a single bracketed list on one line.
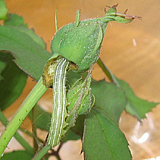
[(34, 128), (21, 114), (42, 152), (107, 72), (17, 136)]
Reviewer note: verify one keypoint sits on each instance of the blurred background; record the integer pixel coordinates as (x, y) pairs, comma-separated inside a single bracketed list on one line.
[(131, 51)]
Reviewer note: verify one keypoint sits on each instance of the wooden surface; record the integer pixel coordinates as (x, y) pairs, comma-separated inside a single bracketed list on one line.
[(131, 51)]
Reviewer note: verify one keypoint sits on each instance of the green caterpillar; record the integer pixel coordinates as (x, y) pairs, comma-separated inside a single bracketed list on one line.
[(59, 103)]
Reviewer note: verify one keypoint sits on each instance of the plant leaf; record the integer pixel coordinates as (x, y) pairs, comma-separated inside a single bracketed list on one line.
[(110, 98), (136, 106), (3, 10), (3, 61), (75, 132), (101, 133), (79, 125), (103, 139), (15, 20), (18, 23), (16, 155), (12, 80), (70, 135), (29, 56), (43, 119)]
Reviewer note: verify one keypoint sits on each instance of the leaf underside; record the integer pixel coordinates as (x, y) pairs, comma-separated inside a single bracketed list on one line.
[(29, 55)]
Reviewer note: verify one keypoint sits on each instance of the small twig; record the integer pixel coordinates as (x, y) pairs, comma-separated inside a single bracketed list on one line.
[(59, 147)]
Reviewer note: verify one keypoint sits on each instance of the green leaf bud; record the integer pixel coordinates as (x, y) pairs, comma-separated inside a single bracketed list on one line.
[(80, 42)]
